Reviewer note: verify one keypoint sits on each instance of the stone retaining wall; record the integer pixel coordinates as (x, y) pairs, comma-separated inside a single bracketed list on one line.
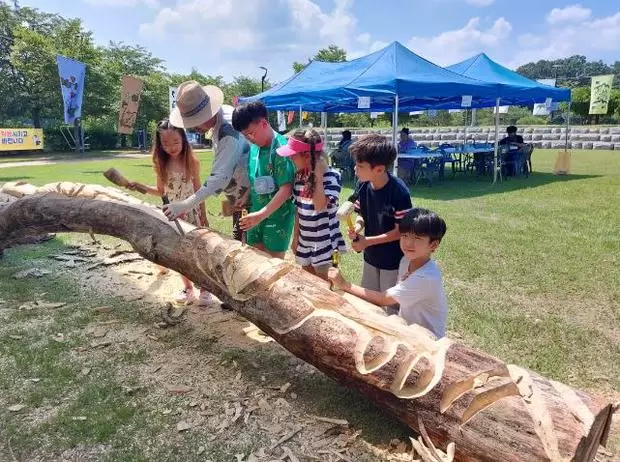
[(541, 137)]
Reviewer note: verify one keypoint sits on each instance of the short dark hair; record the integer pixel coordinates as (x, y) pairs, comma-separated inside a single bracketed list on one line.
[(423, 222), (346, 134), (405, 130), (511, 129), (245, 114), (373, 149)]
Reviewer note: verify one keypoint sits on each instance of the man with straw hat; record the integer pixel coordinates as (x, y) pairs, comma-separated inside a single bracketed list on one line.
[(201, 109)]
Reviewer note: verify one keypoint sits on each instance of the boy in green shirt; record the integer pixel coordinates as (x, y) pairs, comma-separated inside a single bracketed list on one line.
[(269, 226)]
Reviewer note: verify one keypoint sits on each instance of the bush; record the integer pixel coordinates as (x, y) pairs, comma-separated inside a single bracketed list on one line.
[(532, 120)]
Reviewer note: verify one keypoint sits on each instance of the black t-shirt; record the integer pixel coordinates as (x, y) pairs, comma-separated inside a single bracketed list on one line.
[(381, 210), (514, 139)]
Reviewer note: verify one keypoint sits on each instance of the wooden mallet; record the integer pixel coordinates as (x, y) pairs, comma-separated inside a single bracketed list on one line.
[(119, 180)]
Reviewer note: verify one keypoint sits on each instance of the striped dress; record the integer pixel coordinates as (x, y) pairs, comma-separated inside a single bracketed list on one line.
[(319, 231)]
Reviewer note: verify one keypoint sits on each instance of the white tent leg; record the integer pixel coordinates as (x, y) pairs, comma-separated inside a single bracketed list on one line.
[(394, 130), (301, 114), (324, 126), (567, 127), (495, 155)]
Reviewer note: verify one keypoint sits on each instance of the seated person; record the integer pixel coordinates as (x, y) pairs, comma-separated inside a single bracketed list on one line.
[(512, 139), (406, 143), (340, 156), (419, 290)]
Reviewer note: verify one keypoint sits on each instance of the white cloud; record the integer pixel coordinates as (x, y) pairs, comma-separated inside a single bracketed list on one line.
[(127, 3), (364, 38), (589, 37), (572, 13), (454, 45), (480, 2)]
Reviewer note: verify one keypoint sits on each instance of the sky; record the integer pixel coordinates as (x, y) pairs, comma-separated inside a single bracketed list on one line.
[(236, 37)]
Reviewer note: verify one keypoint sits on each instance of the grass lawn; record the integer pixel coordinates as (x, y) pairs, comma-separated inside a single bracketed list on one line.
[(531, 268)]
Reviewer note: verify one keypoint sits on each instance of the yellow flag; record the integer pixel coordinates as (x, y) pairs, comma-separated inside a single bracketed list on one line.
[(599, 93)]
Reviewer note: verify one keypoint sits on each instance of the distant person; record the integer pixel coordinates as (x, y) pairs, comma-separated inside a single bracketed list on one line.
[(345, 141), (419, 291), (512, 139), (516, 142), (406, 143)]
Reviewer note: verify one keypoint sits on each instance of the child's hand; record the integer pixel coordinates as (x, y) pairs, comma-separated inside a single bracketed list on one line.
[(335, 276), (294, 245), (359, 244), (353, 233), (242, 202), (251, 220), (133, 186)]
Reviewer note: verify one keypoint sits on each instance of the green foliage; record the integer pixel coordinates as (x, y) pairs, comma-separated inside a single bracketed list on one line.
[(532, 120), (331, 54)]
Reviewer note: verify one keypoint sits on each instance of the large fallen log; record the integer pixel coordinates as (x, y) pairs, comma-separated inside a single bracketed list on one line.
[(492, 411)]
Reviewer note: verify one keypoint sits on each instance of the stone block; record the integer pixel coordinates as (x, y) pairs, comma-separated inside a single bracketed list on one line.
[(614, 130), (528, 130), (527, 137), (600, 146), (586, 145), (603, 130), (553, 136), (537, 144), (616, 146), (537, 137), (615, 138), (605, 138), (589, 137), (436, 137), (576, 144), (557, 145), (448, 136), (545, 144)]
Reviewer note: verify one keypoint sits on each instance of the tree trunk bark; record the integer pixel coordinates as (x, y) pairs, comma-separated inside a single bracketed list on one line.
[(492, 411)]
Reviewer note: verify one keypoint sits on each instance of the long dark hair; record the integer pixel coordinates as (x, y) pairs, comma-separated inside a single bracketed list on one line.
[(161, 157), (312, 137)]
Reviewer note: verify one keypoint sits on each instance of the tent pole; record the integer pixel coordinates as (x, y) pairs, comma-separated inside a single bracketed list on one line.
[(301, 114), (495, 155), (324, 124), (394, 129), (567, 127)]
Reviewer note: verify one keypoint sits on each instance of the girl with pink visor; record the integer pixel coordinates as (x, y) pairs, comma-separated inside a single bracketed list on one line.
[(316, 236)]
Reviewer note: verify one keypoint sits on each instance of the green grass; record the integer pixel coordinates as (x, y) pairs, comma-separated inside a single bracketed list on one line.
[(530, 265)]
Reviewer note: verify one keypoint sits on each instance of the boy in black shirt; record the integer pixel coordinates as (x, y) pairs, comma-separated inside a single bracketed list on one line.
[(382, 201)]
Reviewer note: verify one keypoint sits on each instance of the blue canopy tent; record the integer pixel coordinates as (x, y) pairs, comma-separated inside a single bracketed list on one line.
[(392, 78), (514, 89), (393, 75)]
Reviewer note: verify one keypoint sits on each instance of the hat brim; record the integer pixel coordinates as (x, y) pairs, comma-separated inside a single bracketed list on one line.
[(286, 151), (216, 99)]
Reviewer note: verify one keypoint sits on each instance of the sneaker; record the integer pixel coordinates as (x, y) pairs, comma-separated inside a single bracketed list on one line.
[(205, 298), (186, 297)]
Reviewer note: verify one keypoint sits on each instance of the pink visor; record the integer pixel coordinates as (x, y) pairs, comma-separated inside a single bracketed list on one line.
[(294, 146)]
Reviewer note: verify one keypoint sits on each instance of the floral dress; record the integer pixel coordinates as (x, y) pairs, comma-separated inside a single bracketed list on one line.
[(179, 188)]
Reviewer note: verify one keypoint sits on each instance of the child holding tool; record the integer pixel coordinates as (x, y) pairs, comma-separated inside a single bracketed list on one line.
[(178, 177), (317, 241)]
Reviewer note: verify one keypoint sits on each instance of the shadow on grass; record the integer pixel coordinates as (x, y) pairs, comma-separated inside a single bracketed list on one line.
[(469, 186), (4, 179)]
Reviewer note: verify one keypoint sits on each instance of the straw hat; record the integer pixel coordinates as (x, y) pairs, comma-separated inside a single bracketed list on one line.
[(195, 104)]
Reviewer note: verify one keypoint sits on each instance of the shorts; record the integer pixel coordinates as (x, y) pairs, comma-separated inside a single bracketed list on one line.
[(274, 232), (380, 280)]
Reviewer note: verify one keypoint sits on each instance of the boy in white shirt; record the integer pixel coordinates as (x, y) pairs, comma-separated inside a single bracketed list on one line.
[(419, 291)]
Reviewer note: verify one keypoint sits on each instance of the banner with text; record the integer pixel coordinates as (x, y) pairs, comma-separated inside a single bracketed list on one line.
[(131, 88), (71, 74), (172, 97), (599, 93), (21, 139)]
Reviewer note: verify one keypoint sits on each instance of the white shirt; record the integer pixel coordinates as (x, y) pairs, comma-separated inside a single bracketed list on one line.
[(421, 297)]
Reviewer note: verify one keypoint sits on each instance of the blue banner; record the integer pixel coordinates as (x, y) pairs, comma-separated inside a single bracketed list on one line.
[(71, 74)]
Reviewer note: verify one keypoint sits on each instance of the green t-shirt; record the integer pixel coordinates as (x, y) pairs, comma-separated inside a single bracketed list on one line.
[(269, 162)]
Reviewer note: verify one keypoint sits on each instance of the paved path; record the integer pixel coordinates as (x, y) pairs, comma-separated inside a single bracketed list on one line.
[(52, 161)]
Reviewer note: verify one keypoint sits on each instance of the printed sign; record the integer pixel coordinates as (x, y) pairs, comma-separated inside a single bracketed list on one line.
[(21, 139)]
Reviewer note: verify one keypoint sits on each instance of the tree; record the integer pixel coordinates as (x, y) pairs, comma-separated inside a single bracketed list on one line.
[(243, 85), (571, 72), (331, 54)]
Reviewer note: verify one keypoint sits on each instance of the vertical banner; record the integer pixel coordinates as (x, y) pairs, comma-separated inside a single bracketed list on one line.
[(172, 98), (291, 117), (71, 75), (131, 88), (599, 93)]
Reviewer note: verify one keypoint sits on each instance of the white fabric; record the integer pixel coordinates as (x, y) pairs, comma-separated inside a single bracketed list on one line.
[(421, 297)]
